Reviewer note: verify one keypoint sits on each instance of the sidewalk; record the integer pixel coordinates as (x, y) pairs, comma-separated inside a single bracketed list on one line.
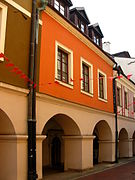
[(73, 175)]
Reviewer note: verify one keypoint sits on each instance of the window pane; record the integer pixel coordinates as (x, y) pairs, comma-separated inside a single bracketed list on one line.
[(57, 3), (82, 27), (59, 75), (59, 55), (97, 41), (86, 70), (59, 65), (64, 77), (56, 7), (64, 67), (64, 58), (86, 87), (62, 9), (86, 78)]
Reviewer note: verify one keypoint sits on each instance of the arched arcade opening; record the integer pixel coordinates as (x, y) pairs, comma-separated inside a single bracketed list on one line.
[(8, 148), (103, 147), (59, 147), (123, 147)]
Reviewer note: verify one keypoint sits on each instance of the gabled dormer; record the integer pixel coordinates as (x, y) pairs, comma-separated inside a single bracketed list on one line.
[(79, 17), (62, 6), (95, 34)]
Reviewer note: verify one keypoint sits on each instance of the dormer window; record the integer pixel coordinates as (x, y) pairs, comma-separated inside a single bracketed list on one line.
[(95, 34), (82, 28), (59, 6), (79, 17), (96, 40)]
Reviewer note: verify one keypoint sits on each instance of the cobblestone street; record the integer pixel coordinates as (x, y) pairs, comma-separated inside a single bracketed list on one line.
[(124, 170)]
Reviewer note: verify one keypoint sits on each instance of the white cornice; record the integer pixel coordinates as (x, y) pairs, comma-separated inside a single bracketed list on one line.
[(14, 89)]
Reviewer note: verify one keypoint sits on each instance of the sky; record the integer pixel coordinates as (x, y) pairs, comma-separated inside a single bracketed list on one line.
[(116, 19)]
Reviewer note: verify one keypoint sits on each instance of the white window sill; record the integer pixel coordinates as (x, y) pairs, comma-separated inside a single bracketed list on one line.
[(104, 100), (86, 93), (64, 84)]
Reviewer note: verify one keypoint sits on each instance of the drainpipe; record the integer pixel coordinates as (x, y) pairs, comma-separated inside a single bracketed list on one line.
[(116, 120), (32, 120), (32, 90)]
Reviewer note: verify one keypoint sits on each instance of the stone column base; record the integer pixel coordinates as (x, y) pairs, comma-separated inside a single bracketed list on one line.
[(13, 157), (126, 148), (39, 140), (106, 151), (78, 152)]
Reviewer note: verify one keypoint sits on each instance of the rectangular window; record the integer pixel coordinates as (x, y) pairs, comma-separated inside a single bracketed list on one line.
[(63, 65), (118, 96), (59, 6), (134, 104), (102, 86), (82, 27), (56, 5), (126, 100), (3, 19), (86, 77), (96, 40), (62, 10)]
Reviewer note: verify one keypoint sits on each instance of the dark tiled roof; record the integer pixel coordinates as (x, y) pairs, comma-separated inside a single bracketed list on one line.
[(69, 2), (81, 11), (122, 54), (96, 27)]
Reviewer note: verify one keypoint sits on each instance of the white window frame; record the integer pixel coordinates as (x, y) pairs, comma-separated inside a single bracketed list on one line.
[(104, 84), (84, 61), (70, 64), (3, 16)]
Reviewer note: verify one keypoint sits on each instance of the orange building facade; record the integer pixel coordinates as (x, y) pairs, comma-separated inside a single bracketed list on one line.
[(55, 35), (76, 90)]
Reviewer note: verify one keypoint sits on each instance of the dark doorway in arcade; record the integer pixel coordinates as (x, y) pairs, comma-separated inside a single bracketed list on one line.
[(95, 149), (56, 153)]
